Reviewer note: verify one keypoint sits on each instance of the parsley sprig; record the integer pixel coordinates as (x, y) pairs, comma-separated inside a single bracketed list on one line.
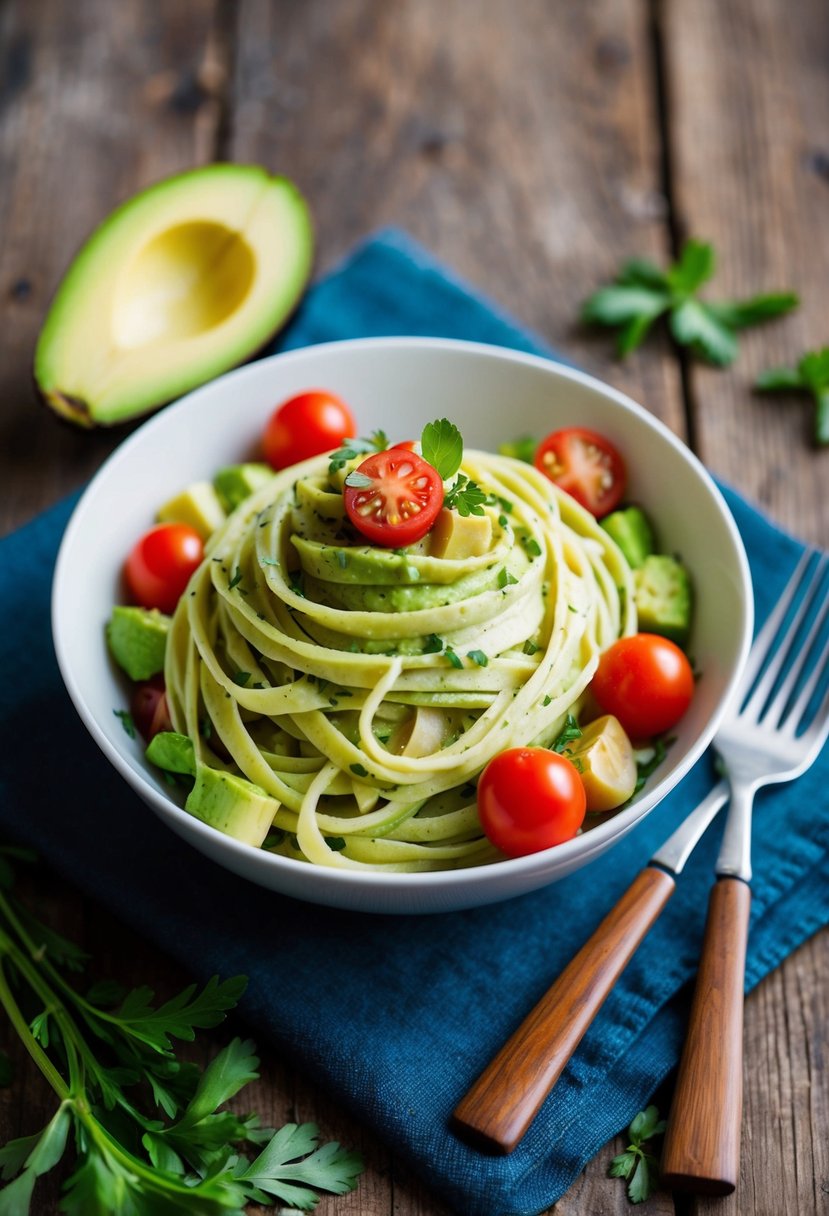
[(352, 448), (99, 1048), (811, 375), (641, 293), (442, 446), (636, 1164)]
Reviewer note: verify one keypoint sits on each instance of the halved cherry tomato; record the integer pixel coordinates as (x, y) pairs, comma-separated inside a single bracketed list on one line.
[(160, 564), (149, 708), (646, 682), (401, 501), (306, 425), (586, 465), (529, 799)]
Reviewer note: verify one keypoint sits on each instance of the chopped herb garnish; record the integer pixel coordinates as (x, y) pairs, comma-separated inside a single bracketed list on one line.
[(241, 677), (269, 561), (645, 768), (505, 579), (530, 647), (296, 585), (570, 731), (337, 843), (478, 656), (352, 448), (237, 578), (358, 481), (503, 521), (453, 658), (342, 558), (465, 496), (547, 701), (358, 770), (433, 644), (126, 721), (531, 545)]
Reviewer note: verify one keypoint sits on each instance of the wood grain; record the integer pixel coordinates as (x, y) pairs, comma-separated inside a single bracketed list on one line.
[(749, 95), (522, 143), (499, 1107), (702, 1142), (94, 105)]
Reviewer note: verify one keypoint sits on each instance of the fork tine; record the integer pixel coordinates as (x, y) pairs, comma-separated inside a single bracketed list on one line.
[(768, 635), (773, 714), (765, 637), (799, 707)]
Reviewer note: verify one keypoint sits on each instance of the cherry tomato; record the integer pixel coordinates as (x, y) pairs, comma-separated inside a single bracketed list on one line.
[(306, 425), (646, 682), (529, 799), (586, 465), (401, 501), (160, 564), (149, 708)]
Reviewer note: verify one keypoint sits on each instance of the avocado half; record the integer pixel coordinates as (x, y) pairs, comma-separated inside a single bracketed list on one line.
[(183, 281)]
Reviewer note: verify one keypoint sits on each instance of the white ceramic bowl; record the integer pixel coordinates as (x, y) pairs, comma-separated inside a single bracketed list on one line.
[(398, 384)]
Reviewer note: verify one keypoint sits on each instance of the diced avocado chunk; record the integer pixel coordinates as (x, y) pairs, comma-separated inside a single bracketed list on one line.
[(632, 532), (197, 506), (663, 597), (172, 752), (233, 805), (238, 481), (137, 640), (455, 536)]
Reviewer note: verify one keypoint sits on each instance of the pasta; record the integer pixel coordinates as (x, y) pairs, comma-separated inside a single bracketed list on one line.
[(364, 690)]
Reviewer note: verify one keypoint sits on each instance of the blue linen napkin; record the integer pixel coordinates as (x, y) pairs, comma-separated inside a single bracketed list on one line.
[(397, 1015)]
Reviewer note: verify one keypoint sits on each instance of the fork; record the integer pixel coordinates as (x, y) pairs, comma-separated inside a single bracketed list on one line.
[(768, 740), (760, 745)]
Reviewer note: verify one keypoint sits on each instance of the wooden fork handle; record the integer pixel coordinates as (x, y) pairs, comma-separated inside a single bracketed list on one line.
[(702, 1141), (502, 1103)]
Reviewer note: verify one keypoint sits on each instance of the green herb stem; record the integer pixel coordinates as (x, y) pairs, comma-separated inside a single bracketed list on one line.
[(26, 1037)]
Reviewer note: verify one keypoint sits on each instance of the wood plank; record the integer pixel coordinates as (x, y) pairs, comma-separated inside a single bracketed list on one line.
[(525, 153), (78, 84), (749, 92)]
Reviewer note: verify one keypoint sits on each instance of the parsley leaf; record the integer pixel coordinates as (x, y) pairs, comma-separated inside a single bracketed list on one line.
[(811, 375), (478, 657), (638, 1166), (352, 448), (465, 496), (641, 293), (442, 447), (196, 1158), (358, 481), (453, 658)]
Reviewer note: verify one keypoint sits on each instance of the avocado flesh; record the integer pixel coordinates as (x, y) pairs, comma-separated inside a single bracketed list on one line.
[(181, 283), (664, 598), (233, 805), (632, 532), (137, 639)]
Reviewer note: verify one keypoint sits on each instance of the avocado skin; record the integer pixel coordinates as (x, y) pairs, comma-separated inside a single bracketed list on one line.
[(82, 308), (630, 528), (137, 639), (664, 598), (232, 805)]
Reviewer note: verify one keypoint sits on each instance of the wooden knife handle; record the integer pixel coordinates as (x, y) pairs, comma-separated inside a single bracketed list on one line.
[(502, 1103), (702, 1141)]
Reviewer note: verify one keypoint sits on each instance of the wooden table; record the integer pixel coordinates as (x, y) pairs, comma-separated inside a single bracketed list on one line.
[(532, 144)]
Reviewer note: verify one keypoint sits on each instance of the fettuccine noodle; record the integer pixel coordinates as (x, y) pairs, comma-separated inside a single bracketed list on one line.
[(364, 690)]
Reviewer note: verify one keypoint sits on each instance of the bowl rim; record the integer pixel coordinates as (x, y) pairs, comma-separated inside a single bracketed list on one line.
[(250, 857)]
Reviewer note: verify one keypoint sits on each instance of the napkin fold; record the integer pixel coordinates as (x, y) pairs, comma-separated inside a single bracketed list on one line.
[(396, 1016)]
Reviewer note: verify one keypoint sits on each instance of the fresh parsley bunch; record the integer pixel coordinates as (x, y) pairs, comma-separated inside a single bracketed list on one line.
[(811, 375), (641, 293), (108, 1056), (636, 1164)]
